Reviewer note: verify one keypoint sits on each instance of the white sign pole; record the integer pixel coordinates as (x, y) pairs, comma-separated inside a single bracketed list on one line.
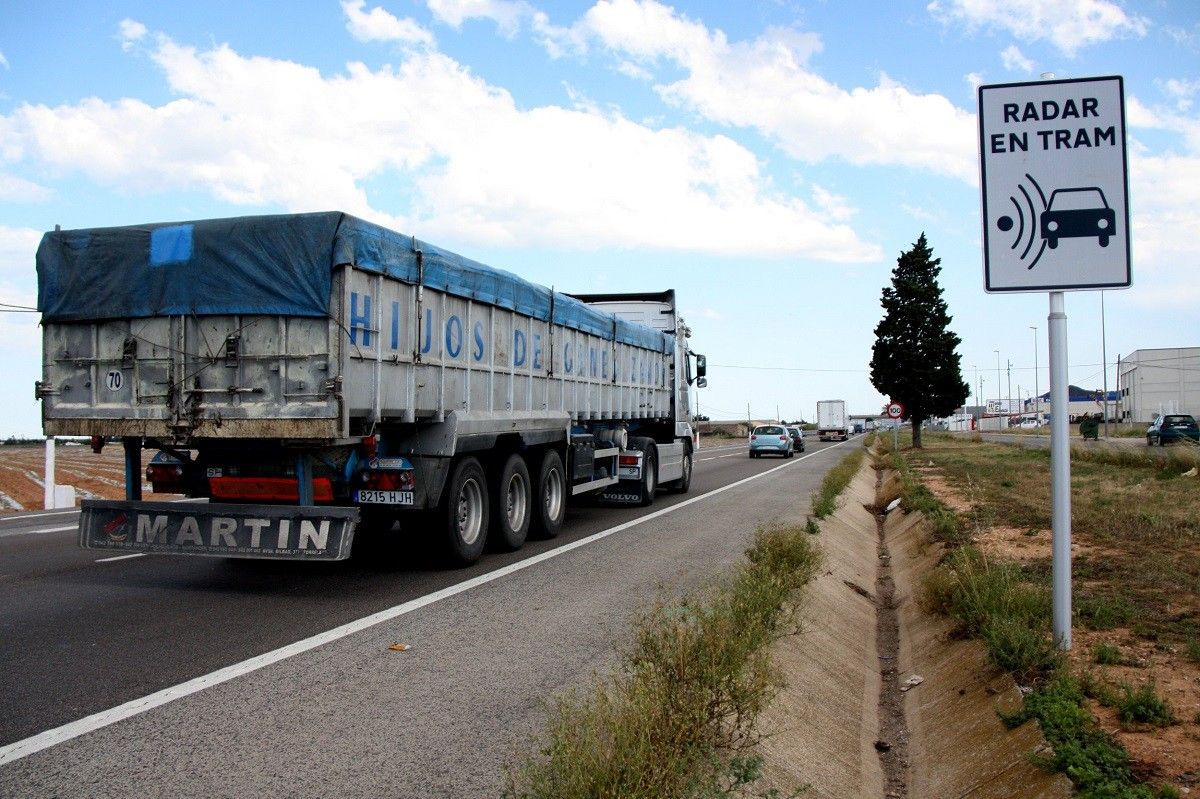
[(1060, 471), (48, 483)]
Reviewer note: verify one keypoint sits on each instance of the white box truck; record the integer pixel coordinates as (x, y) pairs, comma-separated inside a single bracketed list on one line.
[(832, 422), (310, 373)]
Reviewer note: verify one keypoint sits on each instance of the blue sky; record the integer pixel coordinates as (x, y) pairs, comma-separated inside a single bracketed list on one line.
[(769, 160)]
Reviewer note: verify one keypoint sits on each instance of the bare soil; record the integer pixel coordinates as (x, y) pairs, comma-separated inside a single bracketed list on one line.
[(94, 475), (1159, 755)]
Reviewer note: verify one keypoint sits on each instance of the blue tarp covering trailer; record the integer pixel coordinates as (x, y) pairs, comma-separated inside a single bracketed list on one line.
[(276, 265)]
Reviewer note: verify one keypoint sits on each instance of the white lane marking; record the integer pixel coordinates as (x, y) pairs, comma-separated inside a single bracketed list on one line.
[(8, 533), (40, 515), (123, 557), (24, 516), (134, 707), (718, 457)]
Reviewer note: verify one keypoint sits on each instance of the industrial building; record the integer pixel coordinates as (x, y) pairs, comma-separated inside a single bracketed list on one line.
[(1158, 382)]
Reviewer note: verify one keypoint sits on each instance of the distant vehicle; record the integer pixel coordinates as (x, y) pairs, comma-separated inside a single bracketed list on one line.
[(832, 421), (1172, 427), (797, 435), (1078, 213), (770, 438), (1027, 424)]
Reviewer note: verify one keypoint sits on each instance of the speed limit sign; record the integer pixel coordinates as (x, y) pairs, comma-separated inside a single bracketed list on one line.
[(895, 410)]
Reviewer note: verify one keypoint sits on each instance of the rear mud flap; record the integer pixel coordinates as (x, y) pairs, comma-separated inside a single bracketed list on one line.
[(279, 532)]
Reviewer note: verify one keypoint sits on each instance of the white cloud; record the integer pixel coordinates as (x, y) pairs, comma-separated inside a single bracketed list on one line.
[(130, 32), (18, 246), (377, 25), (1015, 61), (974, 79), (1068, 24), (19, 190), (477, 167), (3, 60), (1182, 92), (766, 84), (507, 14), (1164, 203)]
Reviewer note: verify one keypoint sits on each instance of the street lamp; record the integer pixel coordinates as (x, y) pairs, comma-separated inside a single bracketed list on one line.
[(1037, 397)]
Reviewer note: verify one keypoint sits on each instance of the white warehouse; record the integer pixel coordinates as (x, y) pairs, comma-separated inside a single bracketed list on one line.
[(1161, 381)]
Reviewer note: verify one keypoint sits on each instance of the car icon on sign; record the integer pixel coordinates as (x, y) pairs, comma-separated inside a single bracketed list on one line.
[(1078, 213)]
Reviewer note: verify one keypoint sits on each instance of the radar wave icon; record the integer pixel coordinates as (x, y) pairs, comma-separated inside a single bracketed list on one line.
[(1028, 207)]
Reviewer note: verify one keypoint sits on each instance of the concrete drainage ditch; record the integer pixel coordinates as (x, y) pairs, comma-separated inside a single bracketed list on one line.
[(880, 699)]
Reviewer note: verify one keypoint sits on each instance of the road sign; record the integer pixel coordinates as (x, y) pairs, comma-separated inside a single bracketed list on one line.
[(895, 410), (1055, 187)]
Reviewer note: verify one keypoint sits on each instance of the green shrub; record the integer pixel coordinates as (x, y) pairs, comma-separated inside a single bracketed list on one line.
[(1107, 655), (974, 590), (1104, 612), (1027, 654), (824, 501), (1143, 705), (1094, 762)]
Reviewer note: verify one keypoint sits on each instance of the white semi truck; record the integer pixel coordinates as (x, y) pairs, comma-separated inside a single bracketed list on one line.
[(832, 421), (312, 374)]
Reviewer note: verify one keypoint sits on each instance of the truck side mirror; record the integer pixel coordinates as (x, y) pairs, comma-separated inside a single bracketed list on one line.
[(701, 382), (701, 366)]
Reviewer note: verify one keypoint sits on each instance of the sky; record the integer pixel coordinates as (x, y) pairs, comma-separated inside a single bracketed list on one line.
[(769, 160)]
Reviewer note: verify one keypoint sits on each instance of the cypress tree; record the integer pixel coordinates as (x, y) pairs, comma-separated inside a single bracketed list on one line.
[(913, 360)]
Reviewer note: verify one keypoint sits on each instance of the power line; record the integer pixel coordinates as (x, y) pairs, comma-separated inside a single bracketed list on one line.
[(8, 307)]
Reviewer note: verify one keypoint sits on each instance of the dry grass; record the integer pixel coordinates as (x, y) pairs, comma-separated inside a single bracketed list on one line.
[(678, 719), (1139, 519)]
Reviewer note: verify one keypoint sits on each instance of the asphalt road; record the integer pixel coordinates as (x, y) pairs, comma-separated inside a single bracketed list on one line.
[(179, 676)]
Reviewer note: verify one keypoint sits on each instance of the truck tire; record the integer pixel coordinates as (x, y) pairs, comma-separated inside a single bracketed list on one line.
[(648, 485), (463, 515), (684, 483), (511, 500), (550, 496)]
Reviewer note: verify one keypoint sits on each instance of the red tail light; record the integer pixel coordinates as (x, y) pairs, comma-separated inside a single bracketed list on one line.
[(627, 460), (166, 478), (754, 438), (783, 438)]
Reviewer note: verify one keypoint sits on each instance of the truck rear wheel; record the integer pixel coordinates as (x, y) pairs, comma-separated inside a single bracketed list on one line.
[(550, 496), (511, 502), (648, 485), (463, 516)]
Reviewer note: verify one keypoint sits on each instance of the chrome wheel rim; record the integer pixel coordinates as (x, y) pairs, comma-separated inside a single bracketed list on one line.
[(469, 516), (552, 494), (516, 502)]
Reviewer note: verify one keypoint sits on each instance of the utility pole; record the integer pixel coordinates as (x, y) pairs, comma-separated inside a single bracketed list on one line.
[(1008, 398), (999, 380), (1037, 397)]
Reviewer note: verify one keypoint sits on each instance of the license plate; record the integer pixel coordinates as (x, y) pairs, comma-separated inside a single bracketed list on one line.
[(383, 497)]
